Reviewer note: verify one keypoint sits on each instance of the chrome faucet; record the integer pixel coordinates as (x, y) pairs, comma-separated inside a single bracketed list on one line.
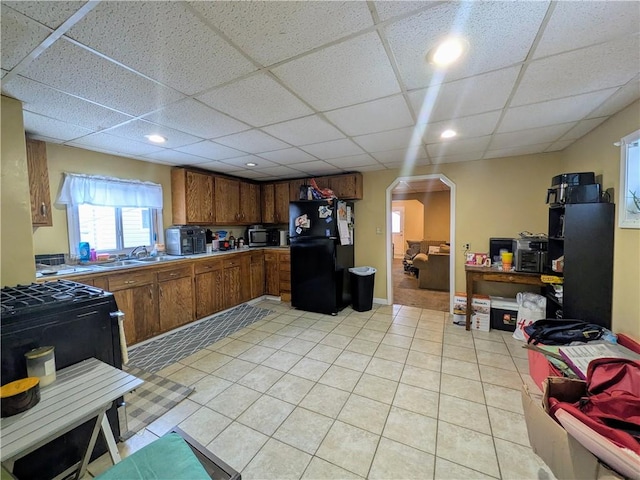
[(141, 254)]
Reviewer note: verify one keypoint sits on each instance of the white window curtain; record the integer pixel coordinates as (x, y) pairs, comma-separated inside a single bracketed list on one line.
[(78, 189)]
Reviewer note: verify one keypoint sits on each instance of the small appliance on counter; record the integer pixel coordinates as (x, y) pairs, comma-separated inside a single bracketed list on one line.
[(530, 253), (185, 240), (257, 236), (574, 188)]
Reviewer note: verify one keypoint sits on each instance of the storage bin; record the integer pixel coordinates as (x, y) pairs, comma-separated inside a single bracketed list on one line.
[(504, 313)]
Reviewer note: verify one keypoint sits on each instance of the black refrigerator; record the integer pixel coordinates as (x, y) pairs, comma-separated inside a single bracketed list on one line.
[(321, 234)]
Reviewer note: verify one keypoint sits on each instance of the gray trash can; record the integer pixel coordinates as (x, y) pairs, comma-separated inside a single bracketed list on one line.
[(362, 288)]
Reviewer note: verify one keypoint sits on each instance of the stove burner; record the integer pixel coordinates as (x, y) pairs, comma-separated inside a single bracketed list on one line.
[(39, 295)]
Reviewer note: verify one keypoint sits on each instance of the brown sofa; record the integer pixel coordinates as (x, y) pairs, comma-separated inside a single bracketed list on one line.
[(433, 270)]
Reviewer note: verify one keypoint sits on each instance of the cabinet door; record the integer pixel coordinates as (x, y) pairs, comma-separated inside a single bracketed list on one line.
[(257, 275), (268, 203), (232, 286), (39, 183), (271, 274), (140, 307), (284, 270), (227, 200), (348, 186), (191, 197), (175, 301), (294, 188), (281, 202), (250, 203), (209, 293)]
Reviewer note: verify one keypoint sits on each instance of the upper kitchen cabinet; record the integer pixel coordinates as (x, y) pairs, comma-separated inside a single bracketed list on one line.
[(348, 186), (39, 183), (250, 203), (238, 202), (275, 202), (294, 188), (192, 195)]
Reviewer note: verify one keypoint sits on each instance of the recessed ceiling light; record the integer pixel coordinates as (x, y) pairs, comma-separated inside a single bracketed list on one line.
[(156, 138), (448, 134), (447, 52), (251, 164)]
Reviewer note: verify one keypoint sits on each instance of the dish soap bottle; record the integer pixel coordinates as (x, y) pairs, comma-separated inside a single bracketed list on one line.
[(232, 240)]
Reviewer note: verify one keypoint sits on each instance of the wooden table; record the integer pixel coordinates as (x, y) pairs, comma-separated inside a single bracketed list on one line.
[(489, 274), (80, 392)]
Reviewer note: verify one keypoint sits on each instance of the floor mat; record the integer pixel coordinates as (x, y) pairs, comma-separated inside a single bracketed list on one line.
[(157, 354), (156, 396)]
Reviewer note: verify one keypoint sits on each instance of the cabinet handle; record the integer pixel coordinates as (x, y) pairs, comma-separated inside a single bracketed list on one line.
[(43, 209), (173, 274), (151, 293), (129, 282)]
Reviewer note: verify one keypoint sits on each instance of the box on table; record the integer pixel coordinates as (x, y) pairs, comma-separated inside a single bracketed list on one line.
[(480, 308), (504, 313)]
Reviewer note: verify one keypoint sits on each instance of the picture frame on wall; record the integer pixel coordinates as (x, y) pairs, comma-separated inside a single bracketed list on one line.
[(629, 200)]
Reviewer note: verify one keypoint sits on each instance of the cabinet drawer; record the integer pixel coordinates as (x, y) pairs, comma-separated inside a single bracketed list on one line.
[(128, 280), (270, 257), (208, 266), (285, 286), (285, 258), (235, 261), (174, 273)]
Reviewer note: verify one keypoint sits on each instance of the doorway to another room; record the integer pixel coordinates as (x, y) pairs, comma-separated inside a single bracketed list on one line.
[(420, 217)]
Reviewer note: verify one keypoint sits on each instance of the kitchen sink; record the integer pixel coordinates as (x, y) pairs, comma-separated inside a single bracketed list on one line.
[(158, 259), (118, 264)]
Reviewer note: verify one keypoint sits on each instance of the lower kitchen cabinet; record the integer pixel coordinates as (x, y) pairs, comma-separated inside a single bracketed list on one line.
[(284, 263), (175, 297), (257, 274), (209, 291), (271, 273), (236, 280)]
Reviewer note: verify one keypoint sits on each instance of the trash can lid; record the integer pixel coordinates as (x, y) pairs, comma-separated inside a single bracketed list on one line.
[(363, 271)]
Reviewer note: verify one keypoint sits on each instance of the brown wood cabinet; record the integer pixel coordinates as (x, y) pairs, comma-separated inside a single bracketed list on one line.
[(294, 188), (39, 183), (135, 294), (347, 187), (281, 202), (271, 273), (175, 297), (268, 194), (192, 197), (227, 200), (236, 279), (209, 291), (250, 203), (284, 268), (257, 274)]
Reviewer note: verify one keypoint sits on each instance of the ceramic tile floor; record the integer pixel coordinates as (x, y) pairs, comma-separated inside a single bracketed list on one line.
[(394, 393)]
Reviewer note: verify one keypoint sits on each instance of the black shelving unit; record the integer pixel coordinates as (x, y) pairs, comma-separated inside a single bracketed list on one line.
[(583, 233)]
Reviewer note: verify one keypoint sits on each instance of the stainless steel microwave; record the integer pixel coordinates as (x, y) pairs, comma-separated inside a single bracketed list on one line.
[(184, 240), (258, 236)]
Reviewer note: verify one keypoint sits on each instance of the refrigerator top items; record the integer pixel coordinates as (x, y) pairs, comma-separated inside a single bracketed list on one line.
[(321, 219)]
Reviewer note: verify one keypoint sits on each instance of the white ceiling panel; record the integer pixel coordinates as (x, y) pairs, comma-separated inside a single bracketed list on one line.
[(399, 155), (465, 127), (222, 167), (490, 48), (280, 171), (530, 137), (51, 127), (371, 117), (252, 141), (455, 147), (20, 35), (406, 168), (623, 97), (211, 150), (460, 157), (350, 72), (176, 158), (256, 175), (559, 145), (317, 168), (387, 10), (288, 156), (114, 144), (353, 161), (51, 14), (460, 98), (137, 129), (333, 149), (303, 131), (582, 128), (178, 34), (39, 98), (379, 142), (514, 151), (274, 31), (594, 68), (261, 163), (193, 117), (562, 110), (258, 100), (591, 22), (101, 81)]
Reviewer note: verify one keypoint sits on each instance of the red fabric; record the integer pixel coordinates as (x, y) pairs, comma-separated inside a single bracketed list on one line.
[(612, 404)]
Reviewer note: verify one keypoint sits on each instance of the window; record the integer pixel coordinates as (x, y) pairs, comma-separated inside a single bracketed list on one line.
[(629, 208), (112, 215)]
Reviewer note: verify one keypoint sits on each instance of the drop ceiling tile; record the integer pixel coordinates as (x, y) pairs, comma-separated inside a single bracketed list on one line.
[(333, 149), (387, 10), (623, 97), (20, 35), (591, 23), (594, 68), (490, 48), (399, 155), (354, 71), (288, 156), (137, 129), (114, 145), (51, 14), (371, 117), (39, 98), (258, 100), (100, 81), (466, 127), (461, 157), (221, 167), (193, 117), (192, 56), (211, 150), (274, 31), (460, 98), (530, 137), (254, 175), (252, 141), (303, 131), (353, 161), (582, 128), (406, 168), (242, 162), (562, 110), (515, 151), (379, 142), (176, 157), (455, 147), (559, 145), (371, 168), (280, 171), (51, 127), (317, 168)]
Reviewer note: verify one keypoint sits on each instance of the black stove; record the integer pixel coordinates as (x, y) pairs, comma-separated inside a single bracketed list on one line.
[(44, 296)]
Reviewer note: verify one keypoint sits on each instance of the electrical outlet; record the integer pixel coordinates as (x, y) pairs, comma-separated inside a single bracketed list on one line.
[(466, 246)]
